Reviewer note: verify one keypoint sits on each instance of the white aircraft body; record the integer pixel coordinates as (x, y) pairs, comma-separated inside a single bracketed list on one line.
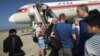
[(22, 16)]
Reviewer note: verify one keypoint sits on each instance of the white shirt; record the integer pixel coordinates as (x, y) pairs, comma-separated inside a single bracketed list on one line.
[(76, 26)]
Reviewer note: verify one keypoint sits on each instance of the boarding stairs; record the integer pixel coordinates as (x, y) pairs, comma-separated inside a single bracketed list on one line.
[(43, 13)]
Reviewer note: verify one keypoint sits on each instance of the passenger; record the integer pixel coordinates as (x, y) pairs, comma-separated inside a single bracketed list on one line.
[(51, 21), (40, 30), (48, 31), (39, 6), (54, 50), (76, 27), (82, 11), (92, 45), (49, 12), (75, 34), (63, 33), (13, 44)]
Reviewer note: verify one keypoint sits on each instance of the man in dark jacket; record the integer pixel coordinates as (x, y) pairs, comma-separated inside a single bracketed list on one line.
[(13, 44), (82, 11)]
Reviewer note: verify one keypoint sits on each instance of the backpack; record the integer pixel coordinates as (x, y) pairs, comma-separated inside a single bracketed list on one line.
[(55, 41)]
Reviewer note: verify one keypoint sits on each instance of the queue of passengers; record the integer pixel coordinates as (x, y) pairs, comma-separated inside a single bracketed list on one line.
[(75, 39), (78, 39), (81, 38)]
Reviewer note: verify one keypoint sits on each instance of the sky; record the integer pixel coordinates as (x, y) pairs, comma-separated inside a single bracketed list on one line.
[(8, 7)]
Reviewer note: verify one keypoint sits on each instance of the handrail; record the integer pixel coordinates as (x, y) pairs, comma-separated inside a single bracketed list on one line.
[(39, 15)]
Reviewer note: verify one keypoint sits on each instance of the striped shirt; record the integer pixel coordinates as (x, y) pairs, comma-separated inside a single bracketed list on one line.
[(92, 46)]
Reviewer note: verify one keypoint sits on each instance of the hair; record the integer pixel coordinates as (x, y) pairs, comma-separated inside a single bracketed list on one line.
[(12, 31), (93, 21), (62, 15), (39, 22), (84, 7), (94, 12), (77, 18)]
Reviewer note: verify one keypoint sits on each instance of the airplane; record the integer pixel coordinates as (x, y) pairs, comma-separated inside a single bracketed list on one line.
[(27, 13)]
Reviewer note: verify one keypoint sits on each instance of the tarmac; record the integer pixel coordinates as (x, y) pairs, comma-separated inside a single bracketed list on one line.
[(30, 48)]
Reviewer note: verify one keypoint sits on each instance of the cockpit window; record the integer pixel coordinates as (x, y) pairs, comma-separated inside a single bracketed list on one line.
[(23, 10), (19, 10)]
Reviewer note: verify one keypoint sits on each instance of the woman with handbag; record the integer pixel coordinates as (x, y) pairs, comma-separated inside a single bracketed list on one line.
[(40, 30)]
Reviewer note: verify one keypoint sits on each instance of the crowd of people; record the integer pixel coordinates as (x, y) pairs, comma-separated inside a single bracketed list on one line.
[(80, 38)]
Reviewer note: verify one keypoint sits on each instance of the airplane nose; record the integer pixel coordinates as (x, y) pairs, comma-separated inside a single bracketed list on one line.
[(11, 19), (21, 18)]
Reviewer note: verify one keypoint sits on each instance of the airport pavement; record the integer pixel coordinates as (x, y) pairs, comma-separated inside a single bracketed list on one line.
[(30, 48)]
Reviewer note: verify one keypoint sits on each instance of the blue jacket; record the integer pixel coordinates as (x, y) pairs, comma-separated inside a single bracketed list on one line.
[(84, 35)]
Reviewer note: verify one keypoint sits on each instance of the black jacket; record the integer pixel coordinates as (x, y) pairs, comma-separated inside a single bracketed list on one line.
[(8, 44)]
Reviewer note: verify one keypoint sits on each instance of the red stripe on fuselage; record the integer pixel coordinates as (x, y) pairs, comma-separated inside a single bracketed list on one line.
[(71, 6)]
